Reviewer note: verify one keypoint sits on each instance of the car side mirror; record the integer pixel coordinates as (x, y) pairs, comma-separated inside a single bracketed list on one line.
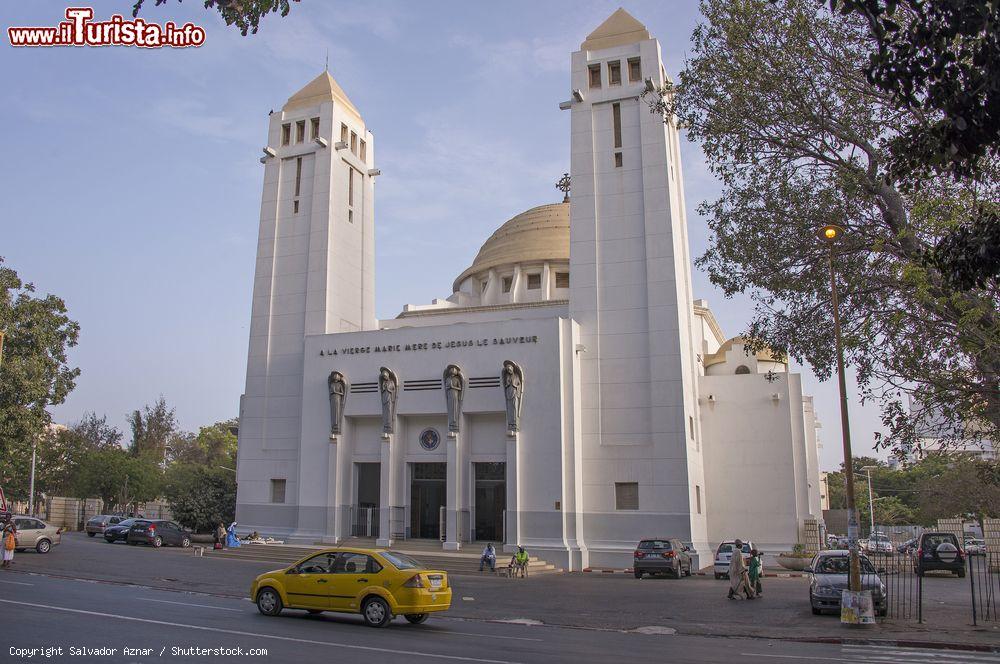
[(293, 570)]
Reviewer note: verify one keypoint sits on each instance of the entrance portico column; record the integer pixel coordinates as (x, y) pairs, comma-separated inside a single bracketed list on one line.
[(339, 504), (386, 490), (510, 535), (453, 494)]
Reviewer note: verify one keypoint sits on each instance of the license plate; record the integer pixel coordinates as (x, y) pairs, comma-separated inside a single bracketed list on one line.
[(435, 581)]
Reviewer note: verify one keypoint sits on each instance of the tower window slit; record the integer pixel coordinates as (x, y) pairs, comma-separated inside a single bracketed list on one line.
[(286, 133), (315, 128), (634, 70), (298, 175), (300, 131), (615, 73), (595, 76), (616, 112)]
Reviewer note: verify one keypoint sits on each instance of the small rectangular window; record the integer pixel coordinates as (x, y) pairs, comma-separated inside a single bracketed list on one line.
[(350, 216), (363, 151), (616, 116), (295, 206), (354, 143), (486, 282), (595, 76), (277, 491), (618, 160), (300, 131), (315, 128), (534, 281), (634, 70), (562, 279), (697, 497), (298, 175), (350, 187), (691, 426), (615, 73), (626, 495), (343, 133), (286, 133), (507, 283)]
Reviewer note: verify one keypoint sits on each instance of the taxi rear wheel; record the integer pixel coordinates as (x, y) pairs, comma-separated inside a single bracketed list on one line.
[(417, 618), (269, 602), (376, 612)]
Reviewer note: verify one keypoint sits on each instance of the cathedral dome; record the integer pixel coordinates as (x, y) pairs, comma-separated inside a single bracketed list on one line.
[(536, 235)]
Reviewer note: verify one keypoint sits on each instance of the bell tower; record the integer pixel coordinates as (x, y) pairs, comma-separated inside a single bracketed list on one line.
[(631, 294), (314, 275)]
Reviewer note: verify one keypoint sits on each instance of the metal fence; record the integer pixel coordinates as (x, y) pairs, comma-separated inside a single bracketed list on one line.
[(903, 588), (984, 584), (364, 521)]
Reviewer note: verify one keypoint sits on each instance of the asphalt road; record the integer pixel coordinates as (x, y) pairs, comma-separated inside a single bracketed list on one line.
[(39, 613), (614, 603)]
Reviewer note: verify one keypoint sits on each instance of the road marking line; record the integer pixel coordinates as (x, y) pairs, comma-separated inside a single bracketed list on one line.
[(771, 654), (207, 606), (865, 651), (486, 636), (18, 583), (352, 646)]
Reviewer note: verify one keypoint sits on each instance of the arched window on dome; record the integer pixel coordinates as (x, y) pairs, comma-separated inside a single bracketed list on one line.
[(742, 369)]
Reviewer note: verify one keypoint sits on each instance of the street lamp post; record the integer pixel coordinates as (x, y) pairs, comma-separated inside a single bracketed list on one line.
[(31, 487), (871, 501), (830, 234)]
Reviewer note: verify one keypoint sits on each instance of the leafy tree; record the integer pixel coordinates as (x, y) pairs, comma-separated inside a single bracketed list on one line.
[(34, 372), (201, 496), (153, 428), (244, 14), (941, 59), (214, 445), (777, 96), (967, 488), (120, 479)]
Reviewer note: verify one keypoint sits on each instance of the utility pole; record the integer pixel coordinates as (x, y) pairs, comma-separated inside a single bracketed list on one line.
[(830, 233), (31, 488)]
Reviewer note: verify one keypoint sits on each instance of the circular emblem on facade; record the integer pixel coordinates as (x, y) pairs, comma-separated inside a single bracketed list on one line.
[(430, 439)]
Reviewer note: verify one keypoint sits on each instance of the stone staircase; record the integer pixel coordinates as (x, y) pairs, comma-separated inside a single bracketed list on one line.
[(428, 552)]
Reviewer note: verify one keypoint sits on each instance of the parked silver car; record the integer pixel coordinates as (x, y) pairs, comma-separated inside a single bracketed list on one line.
[(36, 534), (829, 572), (725, 552), (97, 524)]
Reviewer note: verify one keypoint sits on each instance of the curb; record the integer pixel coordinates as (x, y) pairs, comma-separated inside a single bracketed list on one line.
[(629, 570)]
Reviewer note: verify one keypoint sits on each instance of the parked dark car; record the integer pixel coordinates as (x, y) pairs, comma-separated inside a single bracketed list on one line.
[(661, 555), (939, 551), (97, 525), (119, 531), (829, 572), (908, 546), (157, 533)]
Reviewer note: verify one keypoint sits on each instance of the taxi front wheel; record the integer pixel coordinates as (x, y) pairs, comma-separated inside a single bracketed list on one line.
[(416, 618), (376, 612), (269, 602)]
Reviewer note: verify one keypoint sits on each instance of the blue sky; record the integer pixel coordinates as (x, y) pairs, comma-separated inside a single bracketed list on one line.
[(131, 186)]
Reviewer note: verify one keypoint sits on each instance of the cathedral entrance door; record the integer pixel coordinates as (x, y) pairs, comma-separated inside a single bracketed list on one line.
[(427, 497), (491, 500)]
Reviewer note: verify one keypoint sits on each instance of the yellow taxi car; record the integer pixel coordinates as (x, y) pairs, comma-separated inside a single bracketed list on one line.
[(376, 583)]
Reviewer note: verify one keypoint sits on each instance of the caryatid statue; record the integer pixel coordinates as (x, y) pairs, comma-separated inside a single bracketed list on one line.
[(338, 386), (512, 379), (387, 387), (454, 390)]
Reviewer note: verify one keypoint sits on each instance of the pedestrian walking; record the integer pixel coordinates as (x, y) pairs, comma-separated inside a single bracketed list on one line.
[(9, 543), (756, 571), (220, 535), (739, 576)]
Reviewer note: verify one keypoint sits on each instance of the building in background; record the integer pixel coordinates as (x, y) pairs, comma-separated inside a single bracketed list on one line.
[(570, 395)]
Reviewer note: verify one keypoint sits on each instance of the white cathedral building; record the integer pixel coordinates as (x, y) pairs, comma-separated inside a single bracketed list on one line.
[(570, 395)]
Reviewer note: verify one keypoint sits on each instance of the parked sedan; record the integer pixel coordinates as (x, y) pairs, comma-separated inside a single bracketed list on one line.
[(879, 544), (829, 572), (975, 547), (377, 584), (157, 533), (723, 555), (96, 525), (36, 534), (669, 556), (119, 531)]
